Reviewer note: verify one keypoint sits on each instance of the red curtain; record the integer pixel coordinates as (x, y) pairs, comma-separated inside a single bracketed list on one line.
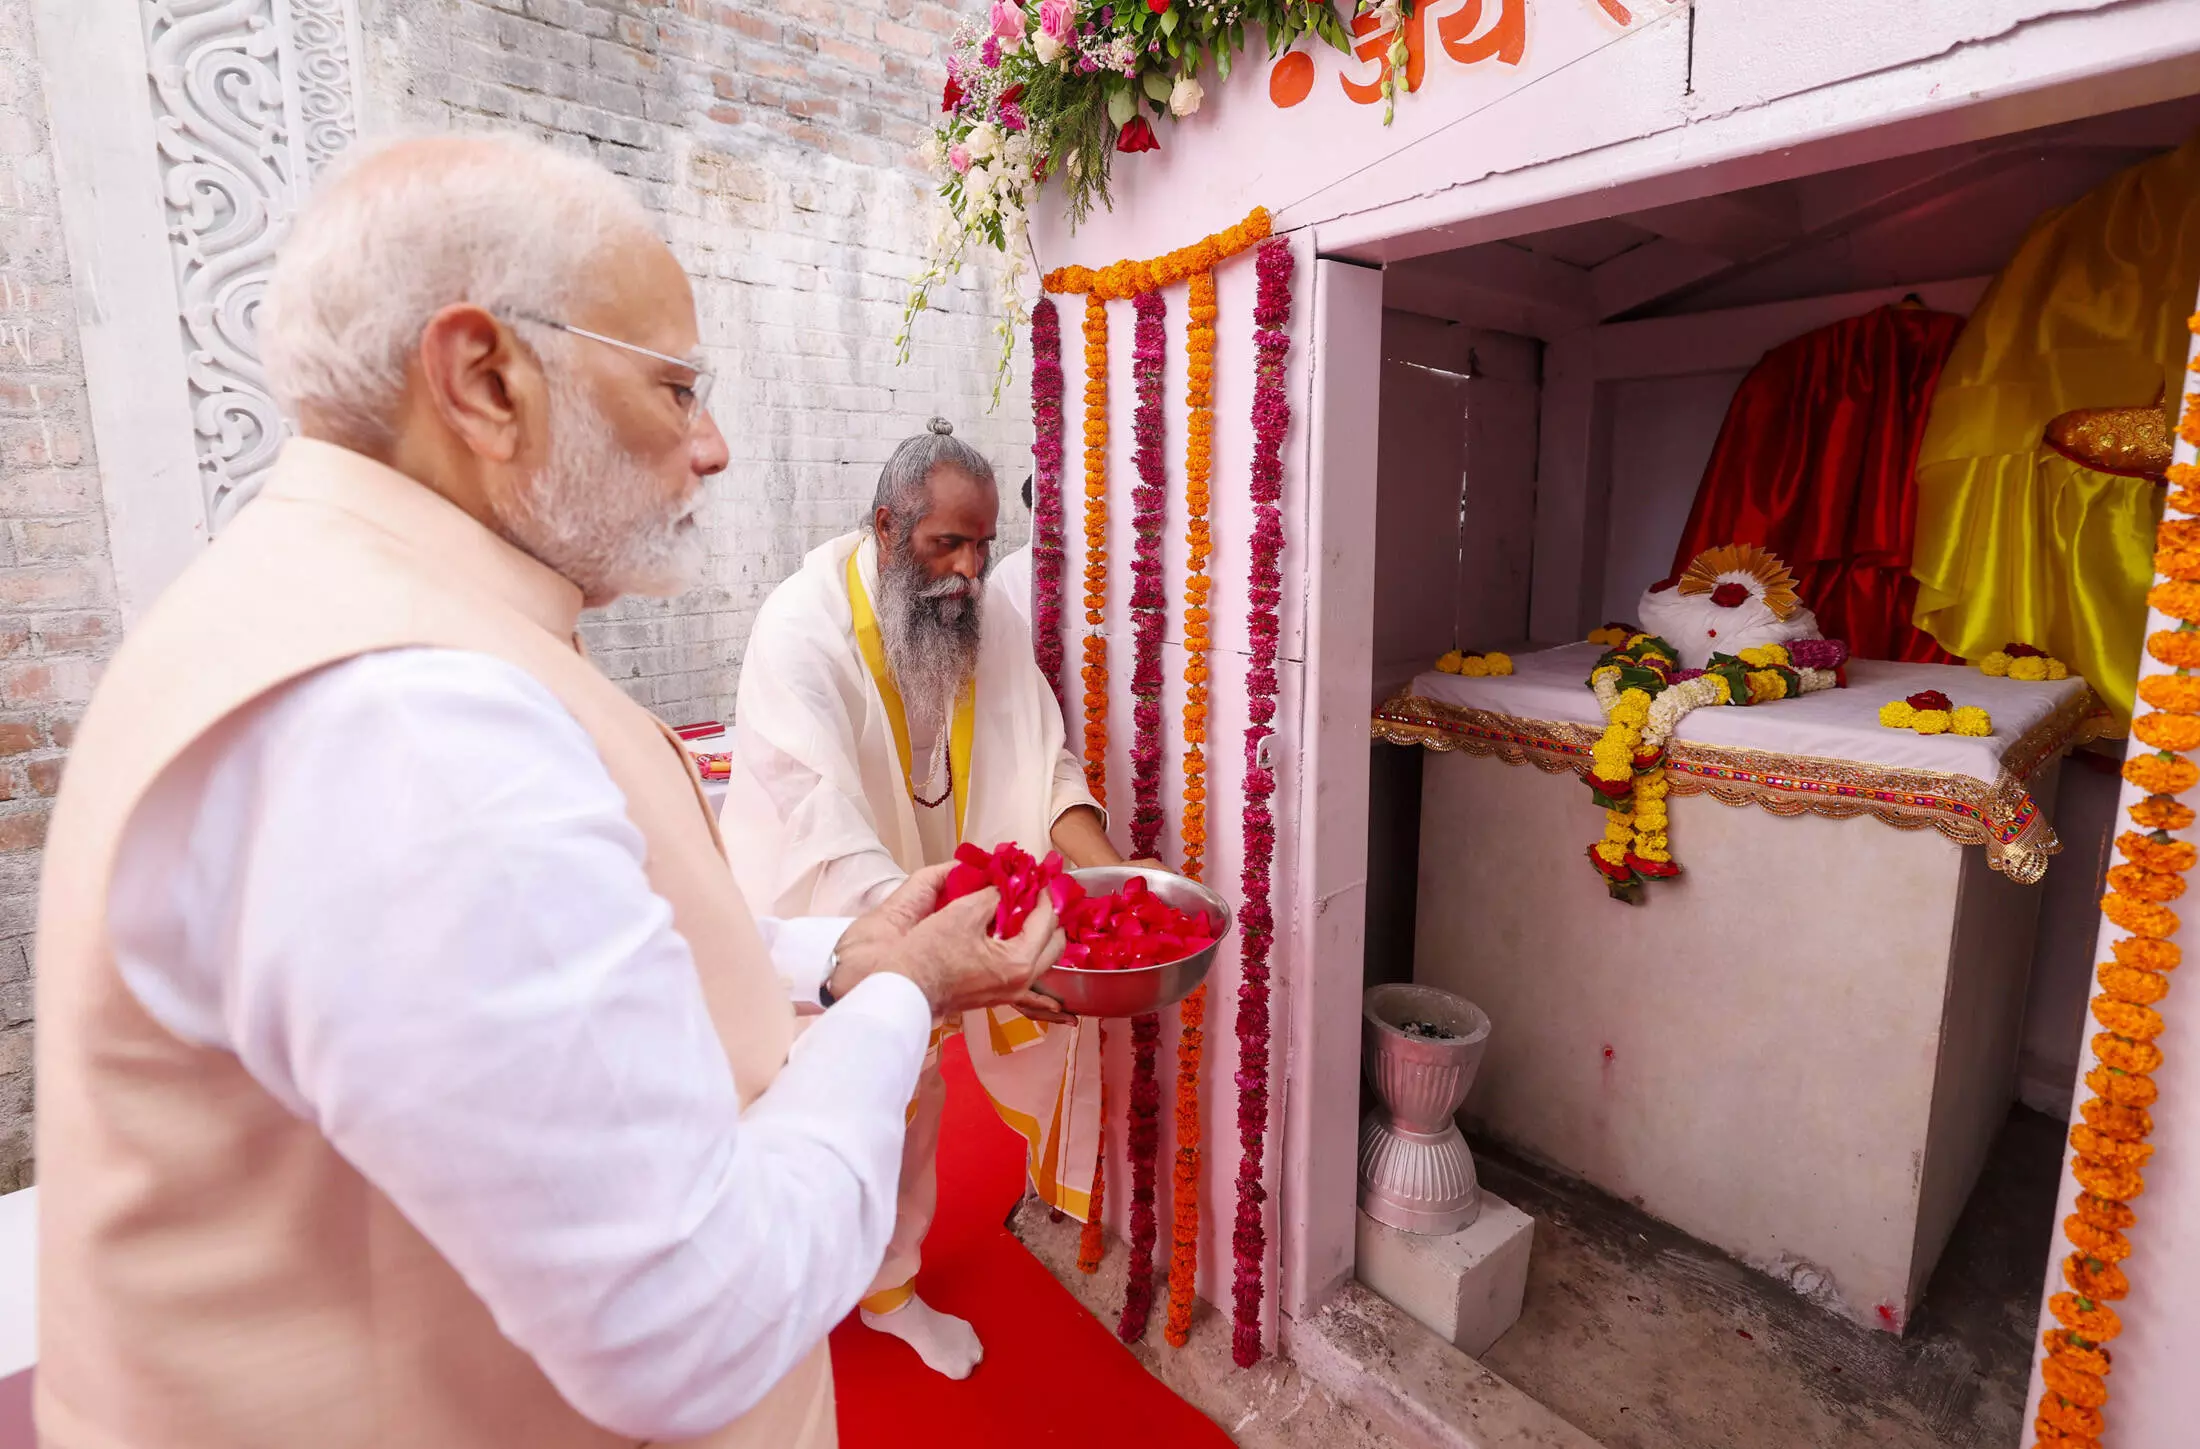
[(1817, 463)]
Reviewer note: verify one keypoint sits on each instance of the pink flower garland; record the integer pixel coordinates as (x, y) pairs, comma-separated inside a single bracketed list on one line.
[(1046, 496), (1271, 419), (1148, 605), (1142, 1146)]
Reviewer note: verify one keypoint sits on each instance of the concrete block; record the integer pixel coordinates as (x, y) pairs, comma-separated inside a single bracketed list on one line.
[(1465, 1287)]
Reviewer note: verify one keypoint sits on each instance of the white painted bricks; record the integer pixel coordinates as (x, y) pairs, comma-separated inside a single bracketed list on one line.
[(1466, 1287)]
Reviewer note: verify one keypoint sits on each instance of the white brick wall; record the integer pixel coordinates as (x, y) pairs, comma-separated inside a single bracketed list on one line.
[(774, 141), (57, 607), (775, 145)]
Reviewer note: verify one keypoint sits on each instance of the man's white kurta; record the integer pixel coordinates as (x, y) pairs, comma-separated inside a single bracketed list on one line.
[(828, 826), (1010, 583)]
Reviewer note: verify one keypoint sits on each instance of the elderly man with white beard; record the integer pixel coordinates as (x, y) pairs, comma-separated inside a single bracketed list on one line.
[(889, 711), (411, 1072)]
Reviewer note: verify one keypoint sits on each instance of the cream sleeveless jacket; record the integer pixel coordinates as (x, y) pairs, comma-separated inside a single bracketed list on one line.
[(212, 1274)]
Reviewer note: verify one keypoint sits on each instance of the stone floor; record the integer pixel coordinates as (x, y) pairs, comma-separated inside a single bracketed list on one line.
[(1358, 1374), (1647, 1339)]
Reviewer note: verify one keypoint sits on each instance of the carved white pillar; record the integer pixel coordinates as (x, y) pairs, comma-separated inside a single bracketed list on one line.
[(186, 132)]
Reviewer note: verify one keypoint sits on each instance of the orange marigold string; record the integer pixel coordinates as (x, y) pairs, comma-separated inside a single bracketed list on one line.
[(1128, 279), (1096, 547), (1092, 1243), (2109, 1145), (1199, 350)]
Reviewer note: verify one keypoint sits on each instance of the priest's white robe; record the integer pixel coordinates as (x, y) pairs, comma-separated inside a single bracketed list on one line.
[(820, 784)]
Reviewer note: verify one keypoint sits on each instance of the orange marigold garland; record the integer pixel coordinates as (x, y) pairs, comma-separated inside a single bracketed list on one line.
[(1096, 547), (1092, 1243), (1199, 397), (2109, 1145), (1127, 279)]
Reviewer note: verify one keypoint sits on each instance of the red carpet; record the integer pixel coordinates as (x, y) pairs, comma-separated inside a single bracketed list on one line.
[(1053, 1374)]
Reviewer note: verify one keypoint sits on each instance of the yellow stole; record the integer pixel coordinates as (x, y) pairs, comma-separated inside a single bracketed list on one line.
[(959, 734), (1009, 1030)]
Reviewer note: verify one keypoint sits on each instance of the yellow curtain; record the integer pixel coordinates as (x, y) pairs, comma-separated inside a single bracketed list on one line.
[(2014, 542)]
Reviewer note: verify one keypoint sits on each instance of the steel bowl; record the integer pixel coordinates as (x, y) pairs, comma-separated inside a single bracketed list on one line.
[(1144, 988)]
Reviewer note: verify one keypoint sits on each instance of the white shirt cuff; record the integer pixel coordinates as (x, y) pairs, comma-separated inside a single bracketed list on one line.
[(894, 1000), (802, 951)]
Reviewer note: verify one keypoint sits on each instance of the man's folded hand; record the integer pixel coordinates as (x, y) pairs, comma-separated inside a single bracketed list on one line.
[(948, 953)]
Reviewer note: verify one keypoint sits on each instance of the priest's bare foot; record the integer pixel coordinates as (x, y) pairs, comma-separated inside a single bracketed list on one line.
[(948, 1345)]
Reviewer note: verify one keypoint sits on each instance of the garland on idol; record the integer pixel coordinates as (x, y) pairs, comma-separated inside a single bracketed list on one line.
[(1148, 605), (2109, 1147), (1644, 694), (1046, 498), (1271, 419)]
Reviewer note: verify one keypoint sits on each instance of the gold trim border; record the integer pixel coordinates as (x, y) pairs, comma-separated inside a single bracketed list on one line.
[(2002, 816)]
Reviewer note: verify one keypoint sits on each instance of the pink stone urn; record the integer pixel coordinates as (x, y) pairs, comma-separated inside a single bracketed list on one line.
[(1420, 1048)]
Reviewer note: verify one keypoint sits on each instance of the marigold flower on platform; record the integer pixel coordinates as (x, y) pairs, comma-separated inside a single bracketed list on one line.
[(2160, 812), (2173, 732), (2145, 885), (1897, 715), (1972, 721), (1932, 721), (2161, 774), (1995, 664)]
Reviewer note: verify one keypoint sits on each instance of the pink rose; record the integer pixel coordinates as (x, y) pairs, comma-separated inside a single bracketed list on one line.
[(959, 158), (1008, 21), (1054, 19)]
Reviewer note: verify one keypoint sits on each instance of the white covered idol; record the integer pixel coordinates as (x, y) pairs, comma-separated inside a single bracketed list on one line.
[(1731, 598)]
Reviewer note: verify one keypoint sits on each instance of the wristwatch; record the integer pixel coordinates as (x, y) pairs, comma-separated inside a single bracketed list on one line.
[(825, 987)]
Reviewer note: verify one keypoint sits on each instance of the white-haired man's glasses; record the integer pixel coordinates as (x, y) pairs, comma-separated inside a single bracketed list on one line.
[(692, 396)]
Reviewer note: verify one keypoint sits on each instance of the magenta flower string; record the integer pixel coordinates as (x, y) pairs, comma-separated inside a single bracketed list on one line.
[(1047, 557), (1149, 601), (1257, 926), (1149, 605)]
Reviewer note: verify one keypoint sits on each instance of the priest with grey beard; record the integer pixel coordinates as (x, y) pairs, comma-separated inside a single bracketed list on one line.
[(887, 713)]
